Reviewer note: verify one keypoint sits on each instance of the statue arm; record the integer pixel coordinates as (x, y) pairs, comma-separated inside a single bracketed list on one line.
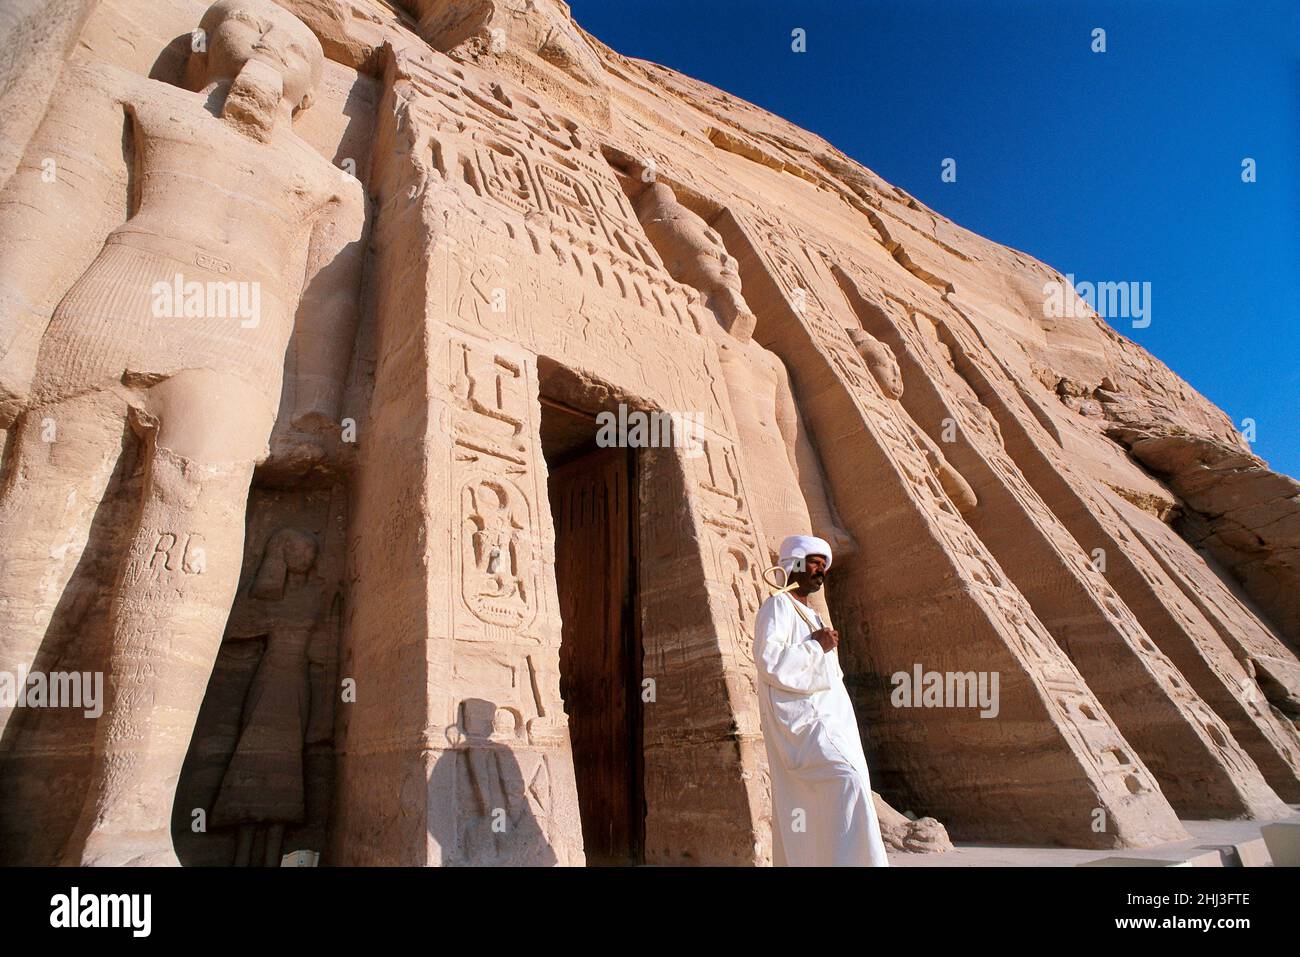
[(68, 193), (958, 489), (326, 324), (808, 470)]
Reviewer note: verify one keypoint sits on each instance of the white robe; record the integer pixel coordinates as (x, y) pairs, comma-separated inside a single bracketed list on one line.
[(822, 811)]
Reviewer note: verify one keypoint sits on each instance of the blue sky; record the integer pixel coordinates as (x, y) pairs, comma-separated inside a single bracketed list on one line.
[(1115, 166)]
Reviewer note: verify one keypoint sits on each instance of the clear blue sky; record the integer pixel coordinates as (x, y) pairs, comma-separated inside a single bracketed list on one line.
[(1115, 166)]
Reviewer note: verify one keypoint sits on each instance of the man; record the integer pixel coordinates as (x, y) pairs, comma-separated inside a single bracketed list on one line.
[(822, 810)]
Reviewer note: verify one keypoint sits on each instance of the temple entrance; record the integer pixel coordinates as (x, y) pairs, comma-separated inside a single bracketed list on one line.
[(593, 500)]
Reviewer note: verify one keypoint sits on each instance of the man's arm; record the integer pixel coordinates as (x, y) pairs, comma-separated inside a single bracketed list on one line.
[(784, 661)]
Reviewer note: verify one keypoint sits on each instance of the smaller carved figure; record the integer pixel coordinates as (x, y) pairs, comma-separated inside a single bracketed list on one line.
[(288, 703)]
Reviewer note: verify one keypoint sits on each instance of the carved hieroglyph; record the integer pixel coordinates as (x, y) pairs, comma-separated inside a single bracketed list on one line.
[(286, 291)]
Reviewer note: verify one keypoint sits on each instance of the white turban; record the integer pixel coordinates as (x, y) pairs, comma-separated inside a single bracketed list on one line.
[(797, 547)]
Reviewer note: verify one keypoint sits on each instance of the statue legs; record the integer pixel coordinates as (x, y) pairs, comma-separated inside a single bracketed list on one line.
[(203, 433)]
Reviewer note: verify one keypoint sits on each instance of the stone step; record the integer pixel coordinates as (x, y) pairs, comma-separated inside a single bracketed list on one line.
[(1236, 843), (1283, 842)]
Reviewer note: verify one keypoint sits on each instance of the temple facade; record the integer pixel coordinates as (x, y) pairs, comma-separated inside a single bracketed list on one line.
[(403, 403)]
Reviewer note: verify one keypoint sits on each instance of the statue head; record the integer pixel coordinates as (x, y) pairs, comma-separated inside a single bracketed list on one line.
[(289, 551), (695, 254), (880, 360), (243, 31), (655, 199)]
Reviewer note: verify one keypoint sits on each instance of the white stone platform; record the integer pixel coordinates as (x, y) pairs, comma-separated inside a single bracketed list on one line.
[(1212, 844)]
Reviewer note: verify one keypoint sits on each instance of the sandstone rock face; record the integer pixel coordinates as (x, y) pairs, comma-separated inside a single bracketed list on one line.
[(314, 317)]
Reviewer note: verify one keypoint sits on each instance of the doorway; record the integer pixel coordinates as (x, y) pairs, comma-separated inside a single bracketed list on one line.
[(593, 497)]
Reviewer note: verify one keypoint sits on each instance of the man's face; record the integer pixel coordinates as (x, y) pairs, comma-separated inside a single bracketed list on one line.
[(811, 576)]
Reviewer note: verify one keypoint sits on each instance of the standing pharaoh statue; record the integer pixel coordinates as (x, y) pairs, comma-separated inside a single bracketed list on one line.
[(785, 477), (178, 330)]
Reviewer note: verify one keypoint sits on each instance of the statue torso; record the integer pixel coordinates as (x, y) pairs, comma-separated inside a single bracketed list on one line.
[(205, 189)]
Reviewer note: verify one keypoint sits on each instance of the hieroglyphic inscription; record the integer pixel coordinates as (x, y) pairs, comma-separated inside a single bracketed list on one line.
[(505, 176), (728, 523), (494, 580), (547, 172), (492, 453)]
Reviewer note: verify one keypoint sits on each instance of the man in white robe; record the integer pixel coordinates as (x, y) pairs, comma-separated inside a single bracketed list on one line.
[(822, 810)]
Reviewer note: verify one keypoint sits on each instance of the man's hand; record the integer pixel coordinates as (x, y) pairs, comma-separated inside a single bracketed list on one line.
[(828, 638)]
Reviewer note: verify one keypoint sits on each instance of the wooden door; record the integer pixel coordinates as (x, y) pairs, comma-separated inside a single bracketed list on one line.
[(600, 658)]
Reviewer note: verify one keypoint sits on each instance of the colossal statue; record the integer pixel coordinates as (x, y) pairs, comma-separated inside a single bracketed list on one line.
[(178, 329), (789, 488)]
